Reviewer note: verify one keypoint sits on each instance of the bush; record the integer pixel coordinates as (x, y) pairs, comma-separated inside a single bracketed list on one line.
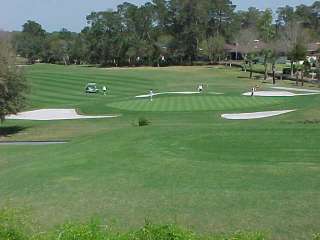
[(90, 231), (166, 232), (11, 227), (247, 236), (316, 236), (143, 122)]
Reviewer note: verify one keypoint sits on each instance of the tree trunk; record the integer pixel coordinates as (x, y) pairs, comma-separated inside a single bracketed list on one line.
[(318, 70), (302, 79), (265, 71), (291, 68), (273, 74), (245, 63), (250, 65)]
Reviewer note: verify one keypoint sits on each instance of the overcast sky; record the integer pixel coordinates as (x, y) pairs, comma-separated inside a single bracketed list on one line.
[(56, 14)]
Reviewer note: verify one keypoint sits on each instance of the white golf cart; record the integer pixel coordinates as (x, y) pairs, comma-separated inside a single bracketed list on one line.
[(92, 88)]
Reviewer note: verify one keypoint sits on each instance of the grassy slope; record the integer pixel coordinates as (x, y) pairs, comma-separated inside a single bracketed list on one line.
[(195, 169)]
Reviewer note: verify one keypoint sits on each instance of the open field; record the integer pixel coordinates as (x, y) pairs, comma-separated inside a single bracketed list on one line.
[(189, 166)]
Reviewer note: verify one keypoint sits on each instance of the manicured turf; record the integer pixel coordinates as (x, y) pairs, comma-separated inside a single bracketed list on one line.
[(193, 103), (197, 170)]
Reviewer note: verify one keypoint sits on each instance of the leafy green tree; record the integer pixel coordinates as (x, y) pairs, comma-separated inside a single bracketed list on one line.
[(265, 26), (291, 35), (220, 15), (298, 53), (30, 43), (185, 28), (249, 19), (286, 15), (213, 47), (12, 82), (267, 55), (246, 45)]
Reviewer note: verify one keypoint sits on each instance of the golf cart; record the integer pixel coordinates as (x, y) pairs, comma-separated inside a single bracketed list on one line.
[(92, 88)]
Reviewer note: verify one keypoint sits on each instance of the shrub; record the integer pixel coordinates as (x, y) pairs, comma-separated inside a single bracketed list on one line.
[(143, 122), (90, 231), (247, 236), (316, 236), (11, 227), (166, 232)]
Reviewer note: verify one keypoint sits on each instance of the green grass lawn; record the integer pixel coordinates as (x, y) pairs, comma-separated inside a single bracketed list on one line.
[(190, 166)]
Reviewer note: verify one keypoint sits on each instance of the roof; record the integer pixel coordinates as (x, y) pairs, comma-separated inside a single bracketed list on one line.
[(256, 45), (313, 47)]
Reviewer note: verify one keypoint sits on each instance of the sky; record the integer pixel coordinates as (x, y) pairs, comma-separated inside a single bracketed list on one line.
[(54, 15)]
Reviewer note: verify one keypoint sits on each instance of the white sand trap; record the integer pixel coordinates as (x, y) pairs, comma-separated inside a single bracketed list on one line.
[(215, 93), (52, 114), (271, 94), (297, 89), (23, 65), (164, 93), (254, 115), (277, 94), (33, 143)]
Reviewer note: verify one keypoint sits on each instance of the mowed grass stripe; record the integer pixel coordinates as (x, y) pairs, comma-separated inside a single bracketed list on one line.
[(74, 89), (100, 80), (192, 103), (53, 97)]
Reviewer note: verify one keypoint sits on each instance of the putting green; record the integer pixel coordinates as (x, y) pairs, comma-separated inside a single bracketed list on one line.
[(193, 103)]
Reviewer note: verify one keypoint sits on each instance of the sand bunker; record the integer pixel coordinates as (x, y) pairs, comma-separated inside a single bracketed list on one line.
[(32, 143), (254, 115), (277, 94), (165, 93), (52, 114), (297, 89)]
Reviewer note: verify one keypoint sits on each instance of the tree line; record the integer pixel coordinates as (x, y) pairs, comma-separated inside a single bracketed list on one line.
[(175, 32)]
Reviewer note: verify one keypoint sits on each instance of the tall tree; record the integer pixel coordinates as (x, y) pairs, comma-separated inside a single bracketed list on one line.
[(185, 28), (249, 19), (30, 43), (265, 26), (12, 82), (247, 46), (286, 15), (213, 47), (298, 52), (291, 36)]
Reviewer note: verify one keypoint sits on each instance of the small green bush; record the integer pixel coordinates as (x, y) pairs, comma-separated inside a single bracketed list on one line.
[(91, 231), (11, 227), (143, 122), (166, 232), (316, 236), (247, 236)]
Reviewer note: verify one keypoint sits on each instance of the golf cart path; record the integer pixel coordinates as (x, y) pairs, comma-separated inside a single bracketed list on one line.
[(278, 94), (53, 114), (254, 115)]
